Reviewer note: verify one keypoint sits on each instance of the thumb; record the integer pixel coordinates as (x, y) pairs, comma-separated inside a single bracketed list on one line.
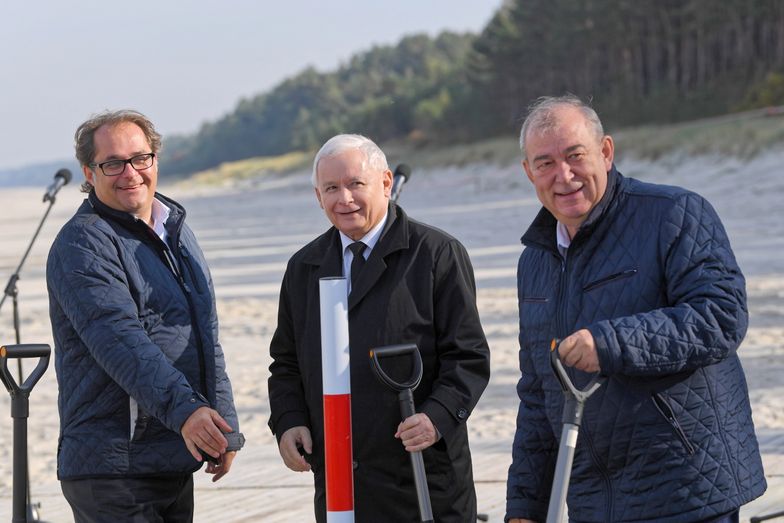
[(307, 442), (566, 345), (193, 450), (400, 429), (220, 422)]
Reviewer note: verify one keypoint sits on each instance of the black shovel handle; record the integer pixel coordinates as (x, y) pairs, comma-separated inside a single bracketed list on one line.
[(25, 350), (406, 400), (397, 350)]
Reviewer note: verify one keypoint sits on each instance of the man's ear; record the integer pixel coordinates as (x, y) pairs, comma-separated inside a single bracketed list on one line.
[(387, 181), (318, 197), (527, 169), (89, 175), (608, 151)]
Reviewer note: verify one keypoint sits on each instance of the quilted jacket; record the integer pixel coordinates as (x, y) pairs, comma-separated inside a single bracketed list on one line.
[(669, 437), (136, 343)]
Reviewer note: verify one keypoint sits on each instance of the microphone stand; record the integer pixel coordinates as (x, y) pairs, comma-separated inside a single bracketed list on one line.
[(12, 291)]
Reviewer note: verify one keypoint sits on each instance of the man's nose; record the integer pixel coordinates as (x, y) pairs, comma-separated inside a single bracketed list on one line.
[(563, 172), (128, 168), (345, 195)]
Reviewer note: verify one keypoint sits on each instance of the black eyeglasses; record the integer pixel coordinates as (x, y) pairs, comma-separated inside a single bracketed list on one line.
[(139, 162)]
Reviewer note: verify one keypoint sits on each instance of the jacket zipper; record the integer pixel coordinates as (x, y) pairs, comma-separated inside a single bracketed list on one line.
[(561, 330), (191, 271), (194, 319), (560, 325), (610, 508), (174, 265), (665, 410)]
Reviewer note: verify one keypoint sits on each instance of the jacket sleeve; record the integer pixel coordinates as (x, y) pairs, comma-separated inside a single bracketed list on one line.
[(288, 407), (463, 354), (87, 278), (535, 448), (224, 396), (706, 317)]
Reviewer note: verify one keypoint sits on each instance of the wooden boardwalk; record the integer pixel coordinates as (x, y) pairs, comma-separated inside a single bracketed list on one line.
[(261, 490)]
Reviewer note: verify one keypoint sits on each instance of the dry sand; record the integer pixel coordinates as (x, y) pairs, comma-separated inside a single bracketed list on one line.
[(249, 231)]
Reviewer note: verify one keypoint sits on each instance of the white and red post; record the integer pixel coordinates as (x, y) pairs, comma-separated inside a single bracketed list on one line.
[(336, 379)]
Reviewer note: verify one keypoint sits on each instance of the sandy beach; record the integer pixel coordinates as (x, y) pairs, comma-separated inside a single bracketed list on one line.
[(249, 231)]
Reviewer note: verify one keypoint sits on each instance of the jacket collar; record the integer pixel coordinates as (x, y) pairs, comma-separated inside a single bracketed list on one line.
[(173, 224), (327, 253), (541, 232)]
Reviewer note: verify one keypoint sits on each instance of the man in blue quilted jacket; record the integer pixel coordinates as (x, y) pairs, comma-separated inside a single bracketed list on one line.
[(141, 374), (640, 283)]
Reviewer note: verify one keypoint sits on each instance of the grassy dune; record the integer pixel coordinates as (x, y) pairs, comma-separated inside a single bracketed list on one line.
[(743, 135)]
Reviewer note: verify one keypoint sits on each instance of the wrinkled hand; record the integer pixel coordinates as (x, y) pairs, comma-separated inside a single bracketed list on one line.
[(291, 439), (222, 467), (204, 430), (416, 432), (578, 350)]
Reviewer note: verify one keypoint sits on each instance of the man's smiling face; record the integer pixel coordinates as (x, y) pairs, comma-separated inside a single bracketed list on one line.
[(131, 191), (353, 196), (568, 164)]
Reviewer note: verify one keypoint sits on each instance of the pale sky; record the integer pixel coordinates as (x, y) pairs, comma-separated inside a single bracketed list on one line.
[(180, 62)]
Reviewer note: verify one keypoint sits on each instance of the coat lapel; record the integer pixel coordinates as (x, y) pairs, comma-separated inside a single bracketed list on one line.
[(326, 255), (394, 238)]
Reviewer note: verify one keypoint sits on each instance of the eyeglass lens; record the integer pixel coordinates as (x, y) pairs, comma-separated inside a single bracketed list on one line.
[(115, 167)]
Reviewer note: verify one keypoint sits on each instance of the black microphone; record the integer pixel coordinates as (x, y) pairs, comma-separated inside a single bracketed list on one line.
[(61, 177), (402, 173)]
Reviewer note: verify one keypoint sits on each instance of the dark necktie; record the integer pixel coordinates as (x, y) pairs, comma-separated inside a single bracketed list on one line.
[(357, 248)]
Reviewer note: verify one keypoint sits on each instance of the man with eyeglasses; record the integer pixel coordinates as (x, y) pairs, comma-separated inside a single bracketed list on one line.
[(143, 393)]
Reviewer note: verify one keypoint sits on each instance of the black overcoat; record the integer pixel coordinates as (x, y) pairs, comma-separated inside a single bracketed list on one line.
[(416, 287)]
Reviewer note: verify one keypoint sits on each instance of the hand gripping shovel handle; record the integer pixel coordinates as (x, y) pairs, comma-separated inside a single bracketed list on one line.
[(406, 399), (574, 403)]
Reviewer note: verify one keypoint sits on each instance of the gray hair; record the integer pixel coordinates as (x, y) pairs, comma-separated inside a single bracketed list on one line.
[(374, 156), (84, 137), (541, 116)]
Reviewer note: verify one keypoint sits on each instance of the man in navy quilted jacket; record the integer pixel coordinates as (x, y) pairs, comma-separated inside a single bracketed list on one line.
[(141, 374), (640, 283)]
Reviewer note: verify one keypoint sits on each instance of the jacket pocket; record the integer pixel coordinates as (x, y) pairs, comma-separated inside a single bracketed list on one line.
[(666, 411), (627, 273), (535, 299), (140, 425)]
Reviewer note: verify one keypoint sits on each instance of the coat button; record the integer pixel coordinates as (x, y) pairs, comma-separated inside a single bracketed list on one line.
[(462, 413), (355, 465), (193, 400)]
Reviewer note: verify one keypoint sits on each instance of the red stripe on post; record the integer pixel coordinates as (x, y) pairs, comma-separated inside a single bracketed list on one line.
[(338, 457)]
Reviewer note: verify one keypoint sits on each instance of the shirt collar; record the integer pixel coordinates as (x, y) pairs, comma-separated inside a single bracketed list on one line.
[(160, 214), (370, 239), (562, 238)]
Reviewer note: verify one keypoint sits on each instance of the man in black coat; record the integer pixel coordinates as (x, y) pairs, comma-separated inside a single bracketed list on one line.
[(416, 286)]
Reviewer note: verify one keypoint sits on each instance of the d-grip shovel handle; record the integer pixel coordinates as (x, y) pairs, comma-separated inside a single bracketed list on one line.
[(406, 400), (397, 350), (574, 403), (566, 384), (25, 350)]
